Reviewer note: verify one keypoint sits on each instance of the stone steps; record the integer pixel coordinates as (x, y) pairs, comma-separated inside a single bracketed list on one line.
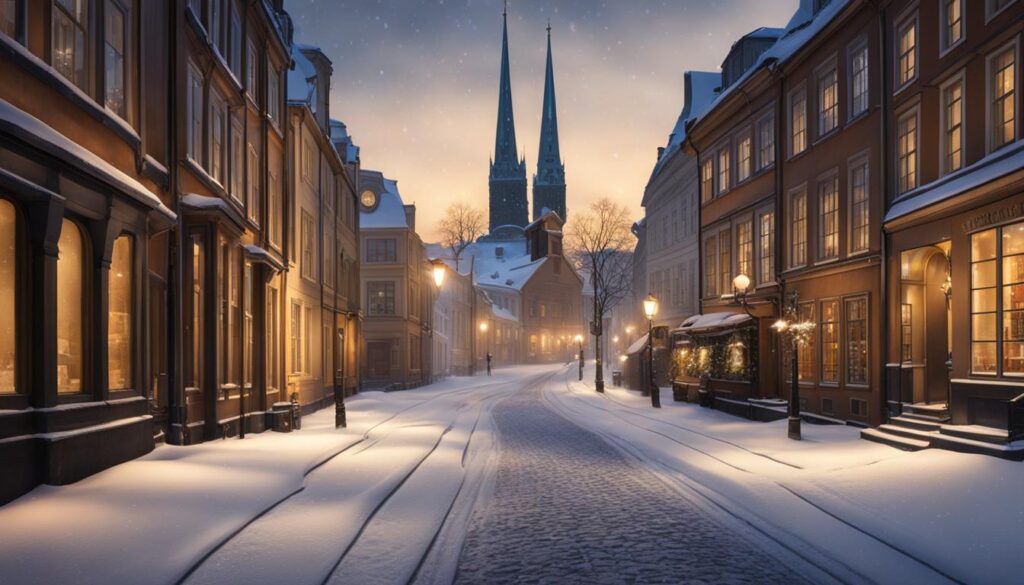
[(904, 443)]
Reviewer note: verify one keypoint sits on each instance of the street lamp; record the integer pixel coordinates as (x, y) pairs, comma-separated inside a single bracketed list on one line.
[(799, 333), (440, 269), (579, 340), (650, 310), (487, 342)]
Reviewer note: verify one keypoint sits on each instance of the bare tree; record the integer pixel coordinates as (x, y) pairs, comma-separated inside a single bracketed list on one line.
[(601, 244), (461, 226)]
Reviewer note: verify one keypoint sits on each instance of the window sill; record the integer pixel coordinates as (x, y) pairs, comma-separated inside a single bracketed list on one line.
[(826, 261)]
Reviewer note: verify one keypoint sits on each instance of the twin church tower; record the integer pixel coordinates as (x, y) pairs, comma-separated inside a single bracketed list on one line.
[(508, 206)]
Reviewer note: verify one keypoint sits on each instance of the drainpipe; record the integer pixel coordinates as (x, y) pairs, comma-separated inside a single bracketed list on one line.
[(175, 314), (884, 169)]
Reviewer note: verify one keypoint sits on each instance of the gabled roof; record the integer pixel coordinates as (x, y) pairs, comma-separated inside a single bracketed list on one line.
[(302, 80)]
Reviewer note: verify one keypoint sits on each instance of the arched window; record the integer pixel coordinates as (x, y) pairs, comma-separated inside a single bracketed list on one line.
[(121, 316), (70, 269), (8, 258)]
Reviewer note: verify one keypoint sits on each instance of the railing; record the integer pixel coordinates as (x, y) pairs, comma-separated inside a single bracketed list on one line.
[(1016, 418)]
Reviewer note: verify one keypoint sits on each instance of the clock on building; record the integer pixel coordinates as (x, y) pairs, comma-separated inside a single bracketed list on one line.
[(368, 199)]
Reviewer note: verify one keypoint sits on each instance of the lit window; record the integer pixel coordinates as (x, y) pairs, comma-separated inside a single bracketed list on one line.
[(707, 180), (120, 315), (8, 297), (997, 329), (767, 247), (725, 261), (807, 353), (114, 43), (198, 267), (857, 341), (859, 208), (828, 221), (295, 337), (859, 87), (253, 187), (70, 307), (218, 137), (952, 23), (766, 142), (237, 159), (830, 342), (380, 298), (743, 159), (906, 132), (952, 120), (274, 205), (710, 267), (1004, 120), (194, 113), (70, 27), (907, 52), (745, 248), (723, 170), (798, 228), (828, 102), (308, 235), (272, 331), (798, 123)]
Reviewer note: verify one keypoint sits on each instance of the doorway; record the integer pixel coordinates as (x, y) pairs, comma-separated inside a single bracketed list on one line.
[(925, 324), (378, 358)]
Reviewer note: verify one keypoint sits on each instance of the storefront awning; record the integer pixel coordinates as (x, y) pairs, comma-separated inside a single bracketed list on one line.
[(714, 322), (638, 345)]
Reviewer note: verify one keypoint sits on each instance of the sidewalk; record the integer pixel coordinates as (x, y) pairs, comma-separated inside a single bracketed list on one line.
[(832, 494)]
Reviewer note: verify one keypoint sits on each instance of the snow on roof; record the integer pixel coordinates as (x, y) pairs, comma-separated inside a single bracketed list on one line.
[(637, 345), (802, 28), (990, 168), (390, 210), (700, 89), (302, 80), (714, 322), (503, 313), (512, 269), (340, 135), (34, 131)]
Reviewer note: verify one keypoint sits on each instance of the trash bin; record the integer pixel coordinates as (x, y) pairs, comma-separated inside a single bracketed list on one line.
[(281, 417), (617, 378)]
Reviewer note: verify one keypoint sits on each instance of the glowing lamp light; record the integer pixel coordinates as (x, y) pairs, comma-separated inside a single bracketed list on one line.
[(622, 358), (440, 270), (741, 283), (483, 326), (615, 339), (578, 338), (650, 306), (780, 325)]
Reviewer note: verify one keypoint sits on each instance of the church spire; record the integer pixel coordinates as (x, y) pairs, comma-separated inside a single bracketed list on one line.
[(549, 182), (505, 152)]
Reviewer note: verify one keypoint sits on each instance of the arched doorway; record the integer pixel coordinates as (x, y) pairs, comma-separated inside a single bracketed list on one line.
[(925, 324)]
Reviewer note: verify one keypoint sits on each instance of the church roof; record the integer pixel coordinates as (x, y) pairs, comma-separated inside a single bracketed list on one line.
[(550, 169), (506, 157)]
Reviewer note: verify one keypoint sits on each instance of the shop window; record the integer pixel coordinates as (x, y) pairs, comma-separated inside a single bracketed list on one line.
[(707, 180), (296, 337), (906, 332), (745, 248), (8, 297), (906, 133), (115, 43), (828, 101), (828, 220), (70, 42), (229, 322), (766, 247), (766, 142), (744, 154), (952, 125), (860, 208), (798, 228), (952, 23), (1003, 111), (808, 353), (798, 122), (859, 82), (830, 342), (195, 373), (70, 307), (997, 320), (273, 332), (906, 63), (120, 321), (857, 341)]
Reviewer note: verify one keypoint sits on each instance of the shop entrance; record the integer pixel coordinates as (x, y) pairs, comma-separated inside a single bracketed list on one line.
[(925, 322)]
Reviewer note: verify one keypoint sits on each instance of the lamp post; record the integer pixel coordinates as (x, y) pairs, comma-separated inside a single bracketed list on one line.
[(440, 270), (650, 310), (487, 344), (798, 332), (579, 340)]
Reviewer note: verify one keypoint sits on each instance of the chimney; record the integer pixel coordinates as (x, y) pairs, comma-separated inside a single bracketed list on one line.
[(661, 151), (410, 216)]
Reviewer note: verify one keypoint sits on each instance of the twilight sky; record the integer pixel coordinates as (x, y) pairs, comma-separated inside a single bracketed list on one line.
[(417, 81)]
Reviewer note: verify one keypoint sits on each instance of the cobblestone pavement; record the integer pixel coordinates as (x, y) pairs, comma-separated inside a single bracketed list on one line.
[(568, 508)]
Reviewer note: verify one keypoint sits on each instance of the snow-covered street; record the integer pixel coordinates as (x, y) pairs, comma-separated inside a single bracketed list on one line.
[(527, 476)]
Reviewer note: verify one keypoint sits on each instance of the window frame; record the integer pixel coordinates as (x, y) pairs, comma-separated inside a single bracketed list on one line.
[(133, 314), (860, 160), (744, 136), (308, 257), (858, 46), (945, 46), (796, 95), (845, 340), (991, 12), (710, 276), (912, 112), (391, 304), (828, 68), (744, 248), (990, 146), (18, 291), (799, 190), (762, 278), (723, 181), (838, 322), (20, 24), (830, 177), (767, 120), (1000, 311), (194, 147), (958, 78), (904, 22), (707, 194)]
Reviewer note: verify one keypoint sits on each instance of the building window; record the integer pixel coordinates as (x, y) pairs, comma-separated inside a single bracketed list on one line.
[(745, 248), (1003, 112), (859, 83), (70, 29), (274, 207), (707, 180), (309, 160), (296, 338), (70, 307), (952, 23), (229, 322), (710, 267), (798, 228), (194, 114), (860, 208), (235, 54), (808, 353), (830, 342), (906, 131), (857, 341), (120, 305), (307, 234), (907, 52), (828, 218), (380, 297), (381, 250), (994, 7), (273, 330), (252, 187), (723, 170), (216, 34), (274, 95), (115, 41), (252, 70), (198, 267), (798, 123), (218, 137), (906, 332), (997, 301), (725, 261), (766, 142), (743, 158), (828, 102), (9, 26), (952, 125), (766, 247), (8, 297)]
